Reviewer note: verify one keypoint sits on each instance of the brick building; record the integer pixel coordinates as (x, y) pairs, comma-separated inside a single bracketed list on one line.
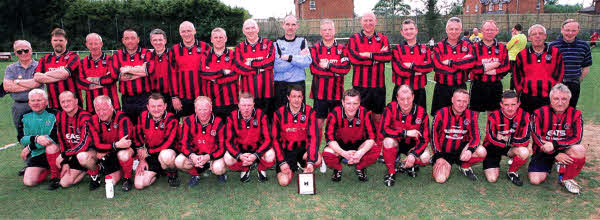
[(503, 6), (317, 9)]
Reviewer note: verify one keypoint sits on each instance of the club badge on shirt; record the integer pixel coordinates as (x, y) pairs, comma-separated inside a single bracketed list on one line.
[(213, 133), (463, 49), (467, 122), (302, 118), (548, 57), (226, 58), (418, 121), (254, 122)]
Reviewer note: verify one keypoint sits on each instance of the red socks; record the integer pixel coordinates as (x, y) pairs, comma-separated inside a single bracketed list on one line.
[(332, 160), (517, 162), (126, 166), (573, 169), (43, 176), (389, 156), (54, 170), (472, 161)]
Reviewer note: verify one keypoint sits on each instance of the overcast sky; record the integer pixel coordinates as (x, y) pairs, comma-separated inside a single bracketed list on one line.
[(279, 8)]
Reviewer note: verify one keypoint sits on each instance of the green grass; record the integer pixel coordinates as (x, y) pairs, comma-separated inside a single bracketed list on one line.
[(409, 198)]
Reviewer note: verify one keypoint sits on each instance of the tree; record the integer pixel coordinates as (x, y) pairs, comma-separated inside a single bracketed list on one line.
[(432, 19), (552, 6), (391, 8)]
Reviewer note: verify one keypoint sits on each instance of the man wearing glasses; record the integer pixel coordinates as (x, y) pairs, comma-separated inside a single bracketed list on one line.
[(18, 81)]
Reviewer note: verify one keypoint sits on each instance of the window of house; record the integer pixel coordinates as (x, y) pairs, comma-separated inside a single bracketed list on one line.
[(500, 6), (313, 5), (537, 5), (467, 8), (491, 7), (476, 7)]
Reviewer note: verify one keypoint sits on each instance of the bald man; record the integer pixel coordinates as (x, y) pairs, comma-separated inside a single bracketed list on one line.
[(185, 59), (292, 58)]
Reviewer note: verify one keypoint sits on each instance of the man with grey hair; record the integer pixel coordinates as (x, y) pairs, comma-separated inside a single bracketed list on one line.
[(39, 135), (254, 61), (97, 76), (577, 57), (557, 130), (537, 69), (185, 59), (291, 60), (452, 59), (18, 79)]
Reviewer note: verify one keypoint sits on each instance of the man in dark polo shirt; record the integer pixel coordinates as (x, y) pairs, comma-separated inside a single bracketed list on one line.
[(577, 57)]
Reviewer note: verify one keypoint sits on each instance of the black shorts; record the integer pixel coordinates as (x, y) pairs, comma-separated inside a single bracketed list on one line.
[(224, 111), (420, 96), (373, 99), (133, 106), (323, 107), (350, 146), (403, 147), (187, 108), (38, 161), (442, 96), (281, 92), (485, 96), (154, 163), (451, 158), (494, 155), (293, 157), (73, 163), (541, 162), (531, 103), (110, 163)]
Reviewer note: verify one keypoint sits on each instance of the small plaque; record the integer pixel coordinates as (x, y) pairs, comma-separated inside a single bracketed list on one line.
[(306, 184)]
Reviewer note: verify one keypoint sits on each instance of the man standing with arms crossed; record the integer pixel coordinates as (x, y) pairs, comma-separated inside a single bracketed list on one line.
[(292, 58)]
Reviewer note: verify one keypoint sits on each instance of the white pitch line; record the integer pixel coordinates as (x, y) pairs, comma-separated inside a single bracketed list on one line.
[(8, 146)]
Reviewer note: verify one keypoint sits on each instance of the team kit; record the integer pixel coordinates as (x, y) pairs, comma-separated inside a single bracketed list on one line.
[(200, 108)]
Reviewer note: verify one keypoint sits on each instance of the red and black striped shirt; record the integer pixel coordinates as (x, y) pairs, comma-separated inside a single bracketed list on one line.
[(256, 78), (342, 129), (497, 52), (328, 83), (140, 85), (420, 57), (104, 69), (536, 74), (161, 77), (563, 130), (369, 72), (70, 62), (74, 132), (106, 133), (202, 139), (221, 88), (396, 123), (290, 129), (451, 132), (185, 82), (515, 128), (456, 72), (157, 135), (247, 135)]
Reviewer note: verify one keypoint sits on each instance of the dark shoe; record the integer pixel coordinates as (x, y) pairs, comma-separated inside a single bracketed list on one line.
[(54, 184), (337, 175), (127, 185), (380, 159), (262, 176), (412, 172), (94, 182), (245, 176), (22, 171), (362, 175), (400, 167), (222, 178), (468, 172), (194, 181), (174, 180), (389, 179), (514, 178)]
